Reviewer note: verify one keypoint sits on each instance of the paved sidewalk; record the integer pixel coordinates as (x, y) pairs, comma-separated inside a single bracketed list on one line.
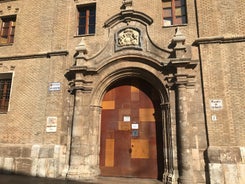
[(118, 180), (19, 179)]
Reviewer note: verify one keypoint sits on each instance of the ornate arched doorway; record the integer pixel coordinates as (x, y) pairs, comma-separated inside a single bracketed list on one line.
[(131, 141)]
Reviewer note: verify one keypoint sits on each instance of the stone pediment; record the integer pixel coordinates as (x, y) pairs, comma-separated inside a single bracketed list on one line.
[(128, 16), (128, 38)]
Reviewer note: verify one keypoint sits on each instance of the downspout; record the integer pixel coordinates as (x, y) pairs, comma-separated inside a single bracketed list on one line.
[(70, 135), (201, 72), (69, 141), (203, 96)]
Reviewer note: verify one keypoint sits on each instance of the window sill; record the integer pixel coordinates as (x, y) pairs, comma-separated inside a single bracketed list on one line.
[(5, 44), (176, 25), (6, 0), (83, 35), (3, 112)]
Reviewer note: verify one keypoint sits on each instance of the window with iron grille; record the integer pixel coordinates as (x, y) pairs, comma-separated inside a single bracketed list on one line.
[(174, 12), (7, 30), (5, 88), (86, 19)]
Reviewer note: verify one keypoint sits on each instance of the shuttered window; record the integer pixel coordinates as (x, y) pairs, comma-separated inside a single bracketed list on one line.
[(7, 30), (174, 12), (5, 88)]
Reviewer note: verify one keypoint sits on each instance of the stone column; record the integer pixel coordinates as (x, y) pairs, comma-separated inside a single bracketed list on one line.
[(183, 137), (181, 79), (75, 153), (167, 144)]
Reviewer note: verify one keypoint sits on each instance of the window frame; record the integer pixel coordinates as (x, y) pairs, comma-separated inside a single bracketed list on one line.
[(173, 18), (90, 16), (7, 31), (6, 83)]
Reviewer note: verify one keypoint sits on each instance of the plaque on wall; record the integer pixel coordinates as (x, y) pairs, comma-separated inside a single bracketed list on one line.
[(126, 118), (216, 104), (51, 125), (135, 126), (54, 86)]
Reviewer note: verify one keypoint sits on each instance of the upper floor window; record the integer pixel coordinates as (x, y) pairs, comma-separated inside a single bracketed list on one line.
[(5, 88), (86, 19), (174, 12), (7, 30)]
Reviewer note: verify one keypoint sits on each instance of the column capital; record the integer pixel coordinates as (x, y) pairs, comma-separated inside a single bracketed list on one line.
[(165, 105), (181, 80)]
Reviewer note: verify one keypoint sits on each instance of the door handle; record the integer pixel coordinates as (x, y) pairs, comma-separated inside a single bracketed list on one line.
[(130, 150)]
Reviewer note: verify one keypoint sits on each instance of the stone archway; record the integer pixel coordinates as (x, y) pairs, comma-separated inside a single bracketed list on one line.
[(86, 134), (161, 106), (127, 52)]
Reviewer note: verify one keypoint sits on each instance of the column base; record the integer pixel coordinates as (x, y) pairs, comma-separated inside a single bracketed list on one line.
[(183, 180)]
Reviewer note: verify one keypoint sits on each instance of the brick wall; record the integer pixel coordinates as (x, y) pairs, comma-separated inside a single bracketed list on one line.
[(49, 26), (222, 63)]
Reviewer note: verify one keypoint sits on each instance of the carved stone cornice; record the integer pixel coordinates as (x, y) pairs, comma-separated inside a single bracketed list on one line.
[(36, 55), (218, 39), (127, 16), (72, 71), (181, 80), (183, 63), (82, 85), (182, 72)]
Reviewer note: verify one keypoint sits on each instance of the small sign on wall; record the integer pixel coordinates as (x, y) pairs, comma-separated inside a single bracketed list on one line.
[(54, 86), (126, 118), (214, 117), (216, 104), (51, 125), (135, 126)]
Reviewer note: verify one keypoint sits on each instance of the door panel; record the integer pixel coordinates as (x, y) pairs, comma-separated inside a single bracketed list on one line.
[(109, 153), (128, 134), (122, 150), (140, 148)]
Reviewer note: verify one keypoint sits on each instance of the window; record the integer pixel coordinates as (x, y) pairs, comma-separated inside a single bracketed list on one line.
[(7, 30), (5, 87), (174, 12), (86, 19)]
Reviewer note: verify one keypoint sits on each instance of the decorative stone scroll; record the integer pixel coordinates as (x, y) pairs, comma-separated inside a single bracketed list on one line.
[(128, 37), (127, 4)]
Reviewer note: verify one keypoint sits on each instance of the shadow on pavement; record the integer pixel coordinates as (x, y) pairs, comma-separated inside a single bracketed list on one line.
[(21, 179)]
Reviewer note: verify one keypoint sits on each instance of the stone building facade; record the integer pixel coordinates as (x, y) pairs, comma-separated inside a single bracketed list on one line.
[(62, 63)]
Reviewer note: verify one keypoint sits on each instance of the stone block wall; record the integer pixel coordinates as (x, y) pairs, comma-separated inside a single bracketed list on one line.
[(35, 160), (226, 165)]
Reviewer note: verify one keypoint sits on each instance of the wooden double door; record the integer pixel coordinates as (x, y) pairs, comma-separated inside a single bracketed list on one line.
[(128, 133)]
